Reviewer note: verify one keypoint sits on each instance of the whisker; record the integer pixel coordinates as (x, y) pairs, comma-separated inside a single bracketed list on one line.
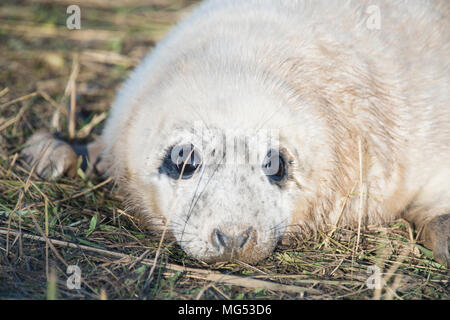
[(191, 209), (193, 197), (278, 225)]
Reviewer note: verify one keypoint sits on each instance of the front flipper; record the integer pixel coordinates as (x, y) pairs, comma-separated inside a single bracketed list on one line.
[(51, 157), (54, 158), (436, 236)]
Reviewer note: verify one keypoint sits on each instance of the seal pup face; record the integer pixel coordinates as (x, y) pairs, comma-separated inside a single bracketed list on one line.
[(221, 168), (228, 192), (224, 194)]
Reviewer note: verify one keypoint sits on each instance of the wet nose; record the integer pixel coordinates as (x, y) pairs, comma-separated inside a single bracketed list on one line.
[(222, 240)]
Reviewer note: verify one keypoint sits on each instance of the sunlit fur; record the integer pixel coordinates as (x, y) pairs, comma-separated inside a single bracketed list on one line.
[(358, 110)]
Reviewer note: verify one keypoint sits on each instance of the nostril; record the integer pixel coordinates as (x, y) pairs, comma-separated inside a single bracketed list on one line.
[(243, 238), (220, 239), (229, 243)]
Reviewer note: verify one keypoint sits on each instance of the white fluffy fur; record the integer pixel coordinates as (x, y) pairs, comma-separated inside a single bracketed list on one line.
[(317, 73)]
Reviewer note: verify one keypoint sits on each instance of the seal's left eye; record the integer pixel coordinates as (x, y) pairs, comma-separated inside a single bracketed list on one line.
[(186, 160), (274, 166)]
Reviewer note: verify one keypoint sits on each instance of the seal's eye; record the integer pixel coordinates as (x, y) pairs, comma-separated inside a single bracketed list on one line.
[(274, 166), (186, 160)]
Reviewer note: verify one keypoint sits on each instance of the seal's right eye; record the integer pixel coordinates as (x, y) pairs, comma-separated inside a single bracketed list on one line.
[(182, 160)]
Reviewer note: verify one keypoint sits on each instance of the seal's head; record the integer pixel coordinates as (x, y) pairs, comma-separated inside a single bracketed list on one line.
[(221, 162)]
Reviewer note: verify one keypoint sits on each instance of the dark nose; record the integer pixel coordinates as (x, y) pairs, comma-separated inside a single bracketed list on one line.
[(231, 243)]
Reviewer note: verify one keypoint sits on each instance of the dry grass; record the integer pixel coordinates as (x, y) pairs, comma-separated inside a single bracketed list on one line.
[(45, 226)]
